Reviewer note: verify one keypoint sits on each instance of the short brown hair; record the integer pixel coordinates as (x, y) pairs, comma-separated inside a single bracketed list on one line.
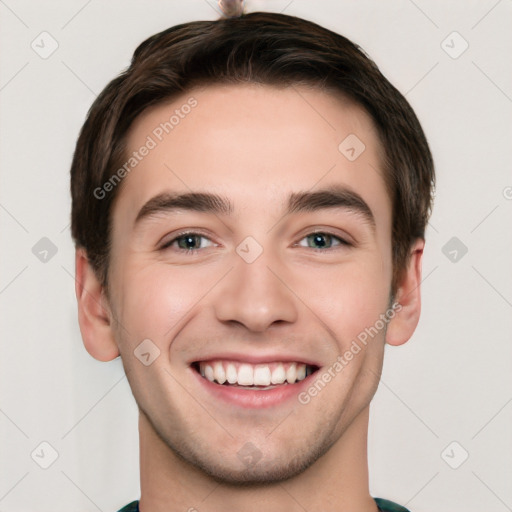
[(266, 48)]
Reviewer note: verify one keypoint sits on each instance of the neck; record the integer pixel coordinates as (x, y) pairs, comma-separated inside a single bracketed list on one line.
[(337, 481)]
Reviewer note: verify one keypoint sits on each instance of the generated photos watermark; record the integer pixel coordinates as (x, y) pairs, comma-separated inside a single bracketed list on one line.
[(343, 360), (157, 135)]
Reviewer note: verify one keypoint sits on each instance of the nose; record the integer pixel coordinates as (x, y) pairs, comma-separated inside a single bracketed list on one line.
[(255, 295)]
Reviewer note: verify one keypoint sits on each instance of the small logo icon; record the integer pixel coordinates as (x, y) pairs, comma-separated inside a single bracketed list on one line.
[(454, 45), (249, 454), (249, 249), (454, 455), (454, 249), (351, 147), (44, 455), (44, 250), (146, 352), (44, 45), (507, 193)]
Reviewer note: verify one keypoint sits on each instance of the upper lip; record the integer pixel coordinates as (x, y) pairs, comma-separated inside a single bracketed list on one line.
[(256, 358)]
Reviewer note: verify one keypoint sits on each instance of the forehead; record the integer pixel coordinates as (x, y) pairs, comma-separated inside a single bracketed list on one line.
[(253, 142)]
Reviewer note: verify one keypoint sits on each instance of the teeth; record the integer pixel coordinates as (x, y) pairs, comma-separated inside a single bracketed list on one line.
[(231, 373), (263, 375), (218, 372), (291, 373), (278, 375), (208, 372), (245, 375)]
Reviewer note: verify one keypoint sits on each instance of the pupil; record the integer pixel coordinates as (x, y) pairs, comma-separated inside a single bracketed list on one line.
[(188, 242), (320, 239)]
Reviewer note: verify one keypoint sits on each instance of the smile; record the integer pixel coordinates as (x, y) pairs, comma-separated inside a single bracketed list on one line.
[(261, 376)]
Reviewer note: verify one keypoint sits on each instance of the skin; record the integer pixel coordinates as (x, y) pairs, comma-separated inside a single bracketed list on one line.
[(254, 145)]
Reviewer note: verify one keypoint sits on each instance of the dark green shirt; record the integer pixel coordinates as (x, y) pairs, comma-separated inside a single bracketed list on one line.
[(383, 505)]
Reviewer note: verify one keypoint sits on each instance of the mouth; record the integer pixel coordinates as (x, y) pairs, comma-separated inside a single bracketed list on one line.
[(254, 377)]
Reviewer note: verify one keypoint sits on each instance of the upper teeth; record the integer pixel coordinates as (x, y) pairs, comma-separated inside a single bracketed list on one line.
[(245, 374)]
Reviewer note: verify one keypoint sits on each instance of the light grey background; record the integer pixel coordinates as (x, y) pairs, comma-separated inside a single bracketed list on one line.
[(451, 382)]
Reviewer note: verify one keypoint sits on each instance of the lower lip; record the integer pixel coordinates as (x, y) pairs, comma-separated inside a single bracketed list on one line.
[(253, 399)]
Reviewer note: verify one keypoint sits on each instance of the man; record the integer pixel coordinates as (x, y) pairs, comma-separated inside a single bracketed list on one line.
[(249, 206)]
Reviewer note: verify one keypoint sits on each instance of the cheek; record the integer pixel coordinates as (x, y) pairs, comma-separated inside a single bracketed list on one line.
[(155, 299), (347, 298)]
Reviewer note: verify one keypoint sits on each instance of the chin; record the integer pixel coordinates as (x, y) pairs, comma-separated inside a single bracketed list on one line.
[(261, 474), (271, 468)]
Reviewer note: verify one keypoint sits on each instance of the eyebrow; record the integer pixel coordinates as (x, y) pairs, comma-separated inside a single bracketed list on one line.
[(298, 202)]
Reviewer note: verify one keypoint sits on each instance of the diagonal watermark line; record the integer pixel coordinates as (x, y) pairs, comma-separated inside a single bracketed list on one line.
[(424, 14), (375, 170), (85, 415), (199, 403), (286, 7), (486, 14), (218, 11), (486, 424), (65, 227), (433, 227), (13, 279), (422, 78), (429, 274), (14, 218), (491, 80), (493, 287), (508, 508), (410, 408), (14, 76), (198, 300), (79, 79), (210, 493), (19, 19), (1, 411), (76, 14), (12, 488), (488, 215), (81, 491), (416, 494), (292, 497), (303, 97), (280, 423)]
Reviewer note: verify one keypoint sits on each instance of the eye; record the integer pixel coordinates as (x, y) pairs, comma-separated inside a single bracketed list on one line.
[(191, 242), (188, 242), (321, 241)]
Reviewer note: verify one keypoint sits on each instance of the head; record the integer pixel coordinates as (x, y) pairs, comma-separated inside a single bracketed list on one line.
[(250, 190)]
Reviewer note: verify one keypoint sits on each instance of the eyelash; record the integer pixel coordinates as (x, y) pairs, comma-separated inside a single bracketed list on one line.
[(191, 252)]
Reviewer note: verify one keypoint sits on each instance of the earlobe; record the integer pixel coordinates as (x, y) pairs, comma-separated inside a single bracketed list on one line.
[(94, 315), (408, 296)]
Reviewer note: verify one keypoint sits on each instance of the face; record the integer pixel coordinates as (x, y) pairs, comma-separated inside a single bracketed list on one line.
[(253, 287)]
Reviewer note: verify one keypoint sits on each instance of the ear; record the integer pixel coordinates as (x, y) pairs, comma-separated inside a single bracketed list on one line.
[(94, 315), (402, 325)]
